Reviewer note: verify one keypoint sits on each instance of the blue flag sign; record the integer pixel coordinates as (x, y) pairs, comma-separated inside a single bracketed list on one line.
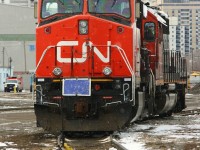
[(76, 87)]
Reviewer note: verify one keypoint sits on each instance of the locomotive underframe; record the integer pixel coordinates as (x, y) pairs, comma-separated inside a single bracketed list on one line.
[(107, 109)]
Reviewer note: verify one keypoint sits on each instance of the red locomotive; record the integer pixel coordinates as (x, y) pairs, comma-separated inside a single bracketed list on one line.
[(102, 64)]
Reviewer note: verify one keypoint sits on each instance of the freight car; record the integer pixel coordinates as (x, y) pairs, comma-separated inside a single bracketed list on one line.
[(102, 64)]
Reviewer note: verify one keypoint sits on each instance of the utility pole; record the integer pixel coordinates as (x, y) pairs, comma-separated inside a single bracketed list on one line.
[(25, 67), (10, 63)]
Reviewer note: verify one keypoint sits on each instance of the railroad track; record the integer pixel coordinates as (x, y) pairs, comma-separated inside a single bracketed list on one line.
[(17, 108), (108, 143), (117, 144), (189, 112)]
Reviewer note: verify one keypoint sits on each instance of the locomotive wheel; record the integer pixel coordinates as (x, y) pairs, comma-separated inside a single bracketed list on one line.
[(168, 114), (178, 107)]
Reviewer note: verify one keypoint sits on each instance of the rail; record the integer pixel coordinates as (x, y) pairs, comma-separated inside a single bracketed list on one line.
[(106, 142), (118, 145)]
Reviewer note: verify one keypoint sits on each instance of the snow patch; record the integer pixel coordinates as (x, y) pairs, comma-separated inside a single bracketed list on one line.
[(11, 143), (2, 144), (130, 141), (112, 148), (166, 128)]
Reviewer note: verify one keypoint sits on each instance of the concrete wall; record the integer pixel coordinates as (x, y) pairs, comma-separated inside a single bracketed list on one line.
[(21, 52), (17, 37), (17, 40), (16, 20)]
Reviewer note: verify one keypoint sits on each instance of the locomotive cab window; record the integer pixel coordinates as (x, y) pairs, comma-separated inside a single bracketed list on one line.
[(49, 8), (118, 7), (149, 31), (52, 7)]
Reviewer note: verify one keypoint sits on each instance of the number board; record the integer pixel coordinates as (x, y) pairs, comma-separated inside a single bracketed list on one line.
[(76, 87)]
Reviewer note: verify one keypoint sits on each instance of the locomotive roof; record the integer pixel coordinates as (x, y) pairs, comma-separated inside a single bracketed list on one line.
[(158, 16)]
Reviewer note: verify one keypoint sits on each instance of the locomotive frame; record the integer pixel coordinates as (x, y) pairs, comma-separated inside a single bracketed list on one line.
[(97, 71)]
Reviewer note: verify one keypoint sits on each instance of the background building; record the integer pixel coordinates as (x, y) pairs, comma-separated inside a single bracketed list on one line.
[(17, 40), (26, 3), (4, 73), (153, 2), (185, 29)]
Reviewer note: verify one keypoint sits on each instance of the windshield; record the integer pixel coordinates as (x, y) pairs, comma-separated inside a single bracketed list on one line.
[(52, 7), (119, 7), (11, 81)]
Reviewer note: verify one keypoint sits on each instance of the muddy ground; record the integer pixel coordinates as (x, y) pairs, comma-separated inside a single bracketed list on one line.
[(18, 128), (18, 124)]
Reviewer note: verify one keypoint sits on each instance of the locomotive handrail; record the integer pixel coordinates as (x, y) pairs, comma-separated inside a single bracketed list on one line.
[(130, 69), (116, 46), (125, 59), (156, 47), (41, 94), (123, 55), (48, 103), (107, 104), (153, 83), (41, 58)]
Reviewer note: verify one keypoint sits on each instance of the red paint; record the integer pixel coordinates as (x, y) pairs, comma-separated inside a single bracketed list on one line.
[(100, 32)]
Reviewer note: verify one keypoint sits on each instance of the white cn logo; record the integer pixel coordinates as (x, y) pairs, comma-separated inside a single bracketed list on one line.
[(84, 52)]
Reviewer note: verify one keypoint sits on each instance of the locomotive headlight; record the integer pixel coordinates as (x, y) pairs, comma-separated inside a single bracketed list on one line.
[(107, 71), (83, 31), (83, 27), (57, 71), (83, 23)]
